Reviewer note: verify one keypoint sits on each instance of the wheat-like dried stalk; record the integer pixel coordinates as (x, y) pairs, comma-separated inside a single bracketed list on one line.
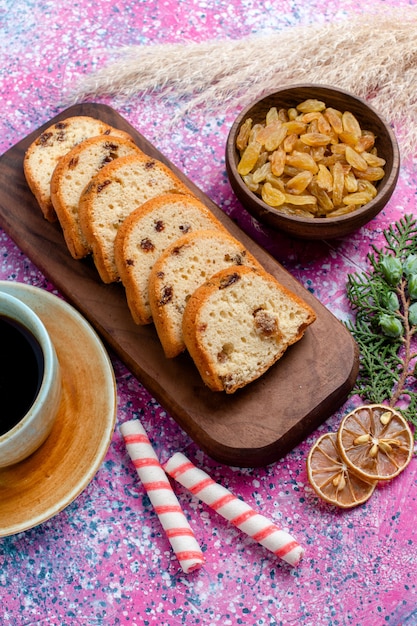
[(373, 56)]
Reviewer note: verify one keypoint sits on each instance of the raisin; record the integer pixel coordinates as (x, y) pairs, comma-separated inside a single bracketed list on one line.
[(249, 158), (147, 245), (271, 135), (130, 262), (222, 356), (272, 116), (243, 136), (112, 154), (338, 184), (109, 145), (334, 117), (261, 172), (324, 178), (105, 160), (236, 259), (299, 182), (373, 160), (149, 165), (277, 160), (265, 323), (302, 161), (272, 196), (275, 139), (159, 226), (295, 127), (102, 185), (167, 294), (300, 200), (366, 142), (355, 159), (73, 162), (310, 105), (250, 183), (44, 138), (185, 228), (371, 173), (359, 198), (315, 139), (229, 280), (351, 124)]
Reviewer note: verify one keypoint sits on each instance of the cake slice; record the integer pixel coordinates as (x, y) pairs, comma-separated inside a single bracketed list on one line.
[(181, 268), (44, 152), (71, 175), (112, 194), (145, 234), (239, 323)]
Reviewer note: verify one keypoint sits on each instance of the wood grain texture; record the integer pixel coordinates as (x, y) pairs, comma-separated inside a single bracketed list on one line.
[(253, 427), (316, 228)]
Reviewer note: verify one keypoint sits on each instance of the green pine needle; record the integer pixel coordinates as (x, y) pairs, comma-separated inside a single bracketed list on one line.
[(385, 326)]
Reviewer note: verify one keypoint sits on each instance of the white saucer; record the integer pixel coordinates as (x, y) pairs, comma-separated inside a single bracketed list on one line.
[(42, 485)]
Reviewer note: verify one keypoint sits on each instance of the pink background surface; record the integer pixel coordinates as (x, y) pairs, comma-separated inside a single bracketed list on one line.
[(105, 559)]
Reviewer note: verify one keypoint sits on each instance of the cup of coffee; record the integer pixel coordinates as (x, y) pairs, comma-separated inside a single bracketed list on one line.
[(30, 381)]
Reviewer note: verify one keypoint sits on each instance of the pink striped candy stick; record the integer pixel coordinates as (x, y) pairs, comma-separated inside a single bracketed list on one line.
[(162, 497), (233, 509)]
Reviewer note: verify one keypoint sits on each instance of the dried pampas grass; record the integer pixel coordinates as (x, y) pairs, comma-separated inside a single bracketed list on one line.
[(373, 56)]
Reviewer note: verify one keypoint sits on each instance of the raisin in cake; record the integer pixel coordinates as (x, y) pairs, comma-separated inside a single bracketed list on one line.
[(45, 151), (112, 194), (177, 273), (72, 174), (146, 233), (239, 323)]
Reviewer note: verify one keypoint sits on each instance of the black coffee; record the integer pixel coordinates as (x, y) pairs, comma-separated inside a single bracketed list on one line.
[(21, 371)]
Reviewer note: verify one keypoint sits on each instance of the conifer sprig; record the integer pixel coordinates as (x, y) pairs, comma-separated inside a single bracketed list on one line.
[(384, 300)]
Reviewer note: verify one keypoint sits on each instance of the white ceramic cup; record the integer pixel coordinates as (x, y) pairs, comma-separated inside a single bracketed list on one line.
[(34, 427)]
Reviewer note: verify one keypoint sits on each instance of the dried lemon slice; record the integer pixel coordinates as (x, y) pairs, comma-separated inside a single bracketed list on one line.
[(331, 478), (375, 441)]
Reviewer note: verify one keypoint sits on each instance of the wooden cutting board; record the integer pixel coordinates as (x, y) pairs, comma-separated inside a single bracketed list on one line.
[(253, 427)]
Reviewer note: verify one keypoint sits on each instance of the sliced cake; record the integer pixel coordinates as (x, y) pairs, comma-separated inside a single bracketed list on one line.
[(145, 234), (45, 151), (239, 323), (72, 174), (181, 268), (112, 194)]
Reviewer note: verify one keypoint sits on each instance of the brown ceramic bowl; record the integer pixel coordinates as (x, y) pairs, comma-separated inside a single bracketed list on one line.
[(322, 227)]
